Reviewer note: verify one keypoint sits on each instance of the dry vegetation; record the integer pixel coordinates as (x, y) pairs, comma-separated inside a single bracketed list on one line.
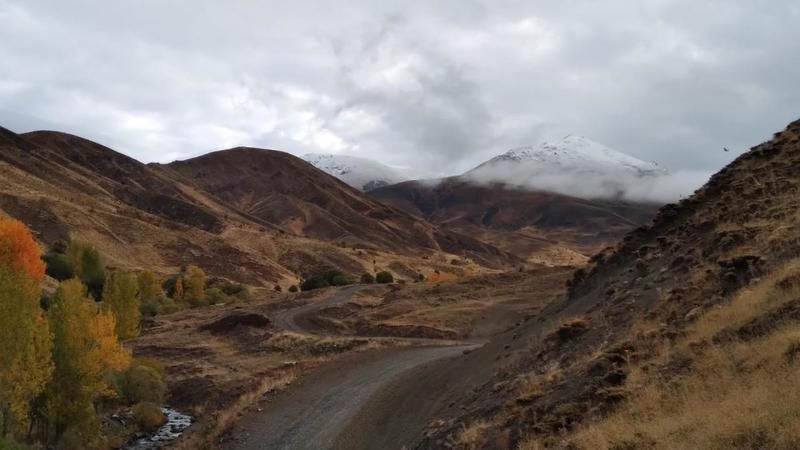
[(478, 306), (730, 382)]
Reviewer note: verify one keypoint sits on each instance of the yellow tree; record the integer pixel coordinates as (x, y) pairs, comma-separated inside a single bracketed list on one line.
[(194, 283), (149, 285), (25, 341), (85, 351), (121, 299)]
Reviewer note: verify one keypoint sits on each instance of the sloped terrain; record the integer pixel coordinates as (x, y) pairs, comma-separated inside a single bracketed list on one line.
[(541, 226), (713, 279), (256, 224), (283, 190)]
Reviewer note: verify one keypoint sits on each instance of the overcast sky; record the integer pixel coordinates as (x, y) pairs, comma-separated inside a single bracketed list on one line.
[(438, 86)]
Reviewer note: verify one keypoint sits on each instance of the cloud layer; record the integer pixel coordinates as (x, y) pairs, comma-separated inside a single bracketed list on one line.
[(434, 86)]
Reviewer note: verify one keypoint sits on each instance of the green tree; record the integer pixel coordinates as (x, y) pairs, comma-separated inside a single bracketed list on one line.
[(121, 298), (58, 266), (88, 266), (85, 352), (25, 344)]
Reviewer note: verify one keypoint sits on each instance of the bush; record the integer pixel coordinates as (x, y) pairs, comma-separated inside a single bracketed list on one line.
[(367, 278), (313, 282), (148, 416), (278, 288), (339, 280), (230, 289), (149, 307), (10, 444), (293, 288), (58, 266), (215, 296), (143, 382), (384, 277)]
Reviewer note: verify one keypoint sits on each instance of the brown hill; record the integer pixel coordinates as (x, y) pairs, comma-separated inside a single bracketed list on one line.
[(672, 340), (530, 224), (286, 191), (240, 226)]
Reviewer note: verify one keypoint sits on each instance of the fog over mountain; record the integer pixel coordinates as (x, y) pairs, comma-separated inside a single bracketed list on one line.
[(583, 168)]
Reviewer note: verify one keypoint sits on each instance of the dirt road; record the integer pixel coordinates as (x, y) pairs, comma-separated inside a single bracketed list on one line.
[(313, 413)]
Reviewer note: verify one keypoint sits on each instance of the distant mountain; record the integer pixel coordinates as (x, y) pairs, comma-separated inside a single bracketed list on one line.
[(573, 155), (361, 173)]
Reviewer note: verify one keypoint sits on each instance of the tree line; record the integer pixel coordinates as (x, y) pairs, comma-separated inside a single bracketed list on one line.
[(63, 357)]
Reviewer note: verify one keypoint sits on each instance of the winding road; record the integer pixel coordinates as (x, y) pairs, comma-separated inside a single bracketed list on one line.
[(313, 413)]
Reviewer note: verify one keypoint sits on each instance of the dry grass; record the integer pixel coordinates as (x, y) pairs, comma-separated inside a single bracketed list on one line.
[(740, 395), (473, 437)]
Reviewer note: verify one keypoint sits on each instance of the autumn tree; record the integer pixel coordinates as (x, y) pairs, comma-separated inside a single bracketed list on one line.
[(121, 299), (25, 346), (85, 352), (149, 285), (194, 284), (87, 265), (18, 250)]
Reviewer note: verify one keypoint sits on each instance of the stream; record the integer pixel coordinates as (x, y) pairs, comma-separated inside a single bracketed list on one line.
[(176, 424)]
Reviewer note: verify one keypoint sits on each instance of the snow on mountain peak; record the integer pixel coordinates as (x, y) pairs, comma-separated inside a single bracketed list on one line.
[(574, 165), (361, 173), (574, 154)]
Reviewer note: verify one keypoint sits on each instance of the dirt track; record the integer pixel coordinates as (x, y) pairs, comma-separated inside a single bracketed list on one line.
[(313, 413)]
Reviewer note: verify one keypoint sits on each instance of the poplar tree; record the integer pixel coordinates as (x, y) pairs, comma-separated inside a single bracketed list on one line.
[(25, 342), (121, 299)]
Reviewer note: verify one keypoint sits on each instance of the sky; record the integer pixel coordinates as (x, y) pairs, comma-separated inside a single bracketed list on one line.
[(434, 87)]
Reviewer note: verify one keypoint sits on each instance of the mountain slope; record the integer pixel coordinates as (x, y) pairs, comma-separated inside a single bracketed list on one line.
[(690, 299), (537, 225), (361, 173), (65, 187), (288, 192)]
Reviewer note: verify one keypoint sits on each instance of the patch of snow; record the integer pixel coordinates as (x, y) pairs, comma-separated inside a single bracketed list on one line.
[(361, 173)]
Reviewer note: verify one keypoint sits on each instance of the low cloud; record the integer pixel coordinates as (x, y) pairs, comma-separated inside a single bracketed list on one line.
[(663, 188)]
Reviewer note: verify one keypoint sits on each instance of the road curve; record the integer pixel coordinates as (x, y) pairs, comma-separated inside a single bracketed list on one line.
[(311, 414), (290, 319)]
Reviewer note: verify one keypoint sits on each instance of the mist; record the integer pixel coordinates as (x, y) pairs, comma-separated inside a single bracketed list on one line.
[(659, 188)]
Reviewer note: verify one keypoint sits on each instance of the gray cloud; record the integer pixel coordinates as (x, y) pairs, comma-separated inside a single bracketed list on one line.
[(435, 86)]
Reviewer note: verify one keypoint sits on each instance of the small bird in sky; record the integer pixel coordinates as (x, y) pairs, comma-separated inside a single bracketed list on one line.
[(726, 149)]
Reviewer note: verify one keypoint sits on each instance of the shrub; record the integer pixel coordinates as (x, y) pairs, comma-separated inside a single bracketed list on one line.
[(314, 282), (149, 307), (278, 288), (234, 290), (367, 278), (384, 277), (148, 416), (142, 382), (293, 288), (58, 266), (215, 296), (339, 280)]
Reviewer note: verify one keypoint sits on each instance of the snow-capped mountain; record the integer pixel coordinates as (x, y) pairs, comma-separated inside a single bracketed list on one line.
[(574, 154), (574, 165), (361, 173)]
